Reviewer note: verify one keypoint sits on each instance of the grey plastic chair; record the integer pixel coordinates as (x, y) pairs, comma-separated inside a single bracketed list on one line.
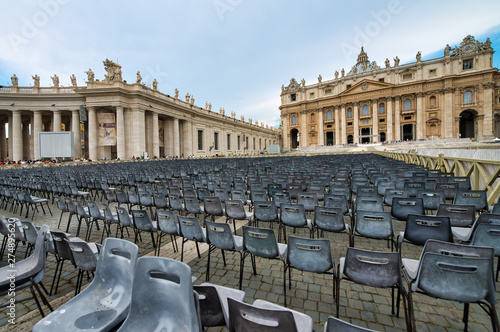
[(162, 297), (460, 215), (192, 205), (61, 205), (260, 242), (478, 198), (265, 211), (312, 255), (214, 308), (293, 215), (85, 256), (334, 324), (264, 316), (190, 229), (63, 254), (329, 219), (105, 302), (374, 225), (213, 207), (125, 220), (431, 199), (30, 272), (219, 236), (488, 235), (167, 225), (375, 269), (235, 210), (143, 223), (402, 207), (394, 192), (30, 234), (454, 272)]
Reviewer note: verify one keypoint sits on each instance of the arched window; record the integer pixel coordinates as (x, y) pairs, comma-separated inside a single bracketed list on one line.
[(349, 112), (468, 97), (329, 115), (432, 101), (407, 105), (294, 120), (381, 108), (312, 117), (364, 110)]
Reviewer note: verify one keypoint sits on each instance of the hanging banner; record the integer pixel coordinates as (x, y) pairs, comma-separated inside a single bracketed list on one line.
[(161, 133), (107, 129)]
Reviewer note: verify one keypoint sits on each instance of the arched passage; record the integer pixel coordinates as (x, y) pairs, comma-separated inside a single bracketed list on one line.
[(294, 138), (466, 126)]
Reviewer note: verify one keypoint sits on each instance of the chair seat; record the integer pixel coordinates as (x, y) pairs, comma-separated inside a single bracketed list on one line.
[(462, 233), (411, 267), (238, 242), (303, 322), (38, 199), (282, 247)]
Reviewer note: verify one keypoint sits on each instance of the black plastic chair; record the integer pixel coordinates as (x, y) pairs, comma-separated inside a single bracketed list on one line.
[(460, 215), (402, 207), (334, 324), (374, 225), (329, 219), (478, 198)]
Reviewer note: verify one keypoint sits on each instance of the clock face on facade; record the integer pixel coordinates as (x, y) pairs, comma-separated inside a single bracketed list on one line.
[(292, 86), (468, 48)]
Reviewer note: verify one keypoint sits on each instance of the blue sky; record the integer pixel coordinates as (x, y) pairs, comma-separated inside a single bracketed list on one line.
[(235, 54)]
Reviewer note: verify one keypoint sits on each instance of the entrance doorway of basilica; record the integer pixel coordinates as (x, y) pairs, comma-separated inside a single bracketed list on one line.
[(407, 132), (466, 126), (294, 137), (330, 140)]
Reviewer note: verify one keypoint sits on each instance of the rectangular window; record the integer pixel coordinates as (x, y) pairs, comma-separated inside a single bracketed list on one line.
[(407, 77), (432, 72), (468, 64), (229, 141), (382, 80), (200, 139), (328, 91), (347, 86), (349, 123), (239, 142), (382, 120), (260, 144), (311, 95), (407, 117), (216, 141), (293, 97)]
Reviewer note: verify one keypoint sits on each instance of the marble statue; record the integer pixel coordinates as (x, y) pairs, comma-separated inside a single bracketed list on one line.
[(176, 93), (73, 80), (396, 61), (206, 105), (114, 71), (419, 56), (282, 87), (320, 78), (447, 50), (342, 72), (303, 82), (90, 75), (209, 106), (242, 118), (354, 70), (336, 74), (139, 77), (192, 100), (387, 63), (55, 80), (155, 84), (14, 80), (36, 79), (187, 97)]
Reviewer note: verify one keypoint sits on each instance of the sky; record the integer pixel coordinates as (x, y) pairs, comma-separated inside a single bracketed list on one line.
[(235, 54)]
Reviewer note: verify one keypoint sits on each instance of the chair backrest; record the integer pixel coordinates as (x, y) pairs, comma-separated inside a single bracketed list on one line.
[(61, 205), (374, 224), (83, 256), (260, 242), (160, 200), (163, 288), (338, 201), (420, 228), (124, 217), (370, 203), (213, 206), (329, 218), (142, 221), (133, 198), (62, 248), (94, 210), (402, 207), (190, 228), (167, 222), (235, 209), (30, 232), (313, 255), (220, 235), (293, 215), (202, 193), (334, 324), (394, 192), (449, 189), (460, 215), (211, 312), (308, 200), (462, 181), (258, 196), (121, 196), (265, 211), (372, 268), (432, 199), (245, 317), (478, 198), (191, 204), (487, 235), (175, 202)]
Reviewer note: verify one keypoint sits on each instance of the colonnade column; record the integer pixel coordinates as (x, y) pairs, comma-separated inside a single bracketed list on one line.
[(321, 130), (397, 119), (356, 123), (375, 135), (3, 141), (337, 126), (26, 139), (420, 116), (138, 132), (344, 127), (92, 134), (11, 140), (56, 122), (17, 136), (75, 128), (488, 128), (188, 139), (120, 133), (389, 136), (156, 135), (177, 147), (448, 112)]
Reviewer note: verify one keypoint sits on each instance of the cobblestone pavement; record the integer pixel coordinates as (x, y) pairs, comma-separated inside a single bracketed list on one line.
[(310, 293)]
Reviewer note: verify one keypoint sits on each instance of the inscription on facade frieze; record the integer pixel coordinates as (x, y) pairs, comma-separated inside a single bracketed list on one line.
[(103, 98)]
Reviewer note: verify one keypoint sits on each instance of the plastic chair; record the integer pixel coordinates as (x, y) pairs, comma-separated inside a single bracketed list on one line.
[(265, 211), (85, 256), (106, 301), (192, 205), (375, 269), (34, 202), (264, 316), (30, 272), (162, 297), (125, 220), (213, 207), (478, 198), (334, 324), (63, 253), (293, 215), (167, 225), (454, 272), (402, 207), (30, 234), (61, 205), (460, 215), (329, 219), (488, 235), (260, 242), (235, 210), (190, 229), (312, 255), (214, 308), (143, 223), (464, 234), (308, 200), (394, 192), (431, 199), (374, 225), (449, 189)]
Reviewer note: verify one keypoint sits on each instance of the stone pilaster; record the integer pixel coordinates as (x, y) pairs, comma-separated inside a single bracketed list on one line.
[(156, 136), (176, 139), (37, 128), (448, 112), (120, 133), (488, 125), (390, 126), (92, 139), (75, 128), (17, 136), (356, 122), (344, 124), (420, 116), (397, 119), (375, 135), (321, 131), (337, 126)]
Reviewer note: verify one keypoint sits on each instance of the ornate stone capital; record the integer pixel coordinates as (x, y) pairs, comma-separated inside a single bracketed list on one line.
[(488, 85), (449, 90), (420, 94), (356, 103), (342, 105), (397, 98), (374, 101), (303, 112)]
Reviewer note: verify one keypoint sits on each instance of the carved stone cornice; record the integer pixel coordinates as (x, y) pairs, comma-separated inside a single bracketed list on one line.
[(342, 105), (303, 112), (449, 90), (397, 98), (356, 103), (489, 85), (420, 94), (374, 100)]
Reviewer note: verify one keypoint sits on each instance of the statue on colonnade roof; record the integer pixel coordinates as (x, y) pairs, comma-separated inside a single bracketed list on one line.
[(114, 71)]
